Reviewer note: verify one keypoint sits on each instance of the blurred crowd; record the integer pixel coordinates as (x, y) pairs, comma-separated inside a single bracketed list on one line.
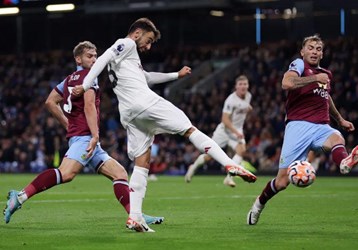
[(31, 140)]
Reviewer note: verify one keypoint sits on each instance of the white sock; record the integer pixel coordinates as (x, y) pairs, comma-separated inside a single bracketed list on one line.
[(22, 197), (138, 185), (237, 159), (199, 162), (205, 144)]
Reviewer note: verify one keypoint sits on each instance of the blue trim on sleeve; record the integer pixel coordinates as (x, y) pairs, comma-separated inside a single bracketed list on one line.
[(297, 66)]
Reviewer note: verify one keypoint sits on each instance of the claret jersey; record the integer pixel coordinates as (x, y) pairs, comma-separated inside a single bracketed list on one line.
[(73, 107), (311, 102)]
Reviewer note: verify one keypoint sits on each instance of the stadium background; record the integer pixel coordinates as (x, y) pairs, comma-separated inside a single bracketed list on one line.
[(218, 39)]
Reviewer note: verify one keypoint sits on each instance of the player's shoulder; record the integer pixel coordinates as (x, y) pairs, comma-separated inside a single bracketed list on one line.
[(82, 71), (298, 62), (124, 43), (297, 65), (248, 95)]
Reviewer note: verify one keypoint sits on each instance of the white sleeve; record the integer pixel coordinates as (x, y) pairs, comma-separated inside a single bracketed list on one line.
[(228, 106), (155, 77), (97, 68)]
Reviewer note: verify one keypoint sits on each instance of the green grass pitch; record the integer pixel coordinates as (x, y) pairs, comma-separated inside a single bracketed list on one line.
[(204, 214)]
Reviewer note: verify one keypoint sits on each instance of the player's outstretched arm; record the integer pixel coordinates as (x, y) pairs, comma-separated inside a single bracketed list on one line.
[(156, 77), (96, 69)]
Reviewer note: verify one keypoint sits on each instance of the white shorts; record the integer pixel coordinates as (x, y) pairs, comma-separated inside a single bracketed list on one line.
[(224, 138), (161, 118)]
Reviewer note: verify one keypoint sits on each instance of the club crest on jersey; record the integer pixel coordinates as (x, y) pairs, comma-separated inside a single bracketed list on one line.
[(322, 86)]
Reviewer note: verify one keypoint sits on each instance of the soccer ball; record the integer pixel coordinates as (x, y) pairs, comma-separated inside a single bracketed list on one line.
[(301, 173)]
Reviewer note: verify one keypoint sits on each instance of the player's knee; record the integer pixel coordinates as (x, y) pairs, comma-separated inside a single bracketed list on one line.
[(189, 132), (68, 176), (113, 170), (120, 173)]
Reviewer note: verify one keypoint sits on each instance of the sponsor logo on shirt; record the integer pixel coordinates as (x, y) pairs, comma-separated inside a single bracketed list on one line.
[(119, 49), (321, 92)]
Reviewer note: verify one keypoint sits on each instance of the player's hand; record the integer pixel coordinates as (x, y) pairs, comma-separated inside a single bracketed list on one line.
[(92, 146), (78, 90), (346, 125), (184, 71), (323, 78), (239, 135)]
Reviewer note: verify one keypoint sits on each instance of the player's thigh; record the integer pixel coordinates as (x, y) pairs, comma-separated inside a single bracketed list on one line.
[(77, 149), (98, 158), (113, 170), (327, 137), (167, 118), (296, 143), (220, 136), (69, 168), (139, 138)]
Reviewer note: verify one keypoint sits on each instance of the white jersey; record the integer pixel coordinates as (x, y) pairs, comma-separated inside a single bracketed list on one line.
[(237, 108), (129, 82)]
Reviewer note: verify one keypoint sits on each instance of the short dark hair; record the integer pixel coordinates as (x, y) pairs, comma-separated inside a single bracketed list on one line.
[(315, 38), (145, 24), (79, 49)]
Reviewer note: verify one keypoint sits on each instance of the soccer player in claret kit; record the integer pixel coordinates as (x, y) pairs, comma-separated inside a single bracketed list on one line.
[(80, 116), (145, 114), (308, 110)]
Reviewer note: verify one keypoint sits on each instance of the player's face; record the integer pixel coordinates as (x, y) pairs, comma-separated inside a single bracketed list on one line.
[(88, 58), (312, 52), (144, 42), (241, 88)]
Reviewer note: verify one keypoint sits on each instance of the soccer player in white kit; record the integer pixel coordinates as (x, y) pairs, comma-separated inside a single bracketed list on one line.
[(230, 132), (144, 114)]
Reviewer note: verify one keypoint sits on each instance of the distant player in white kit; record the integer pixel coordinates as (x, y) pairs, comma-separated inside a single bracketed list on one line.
[(144, 114), (230, 132)]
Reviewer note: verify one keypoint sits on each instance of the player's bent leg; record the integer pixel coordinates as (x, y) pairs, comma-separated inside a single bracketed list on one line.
[(349, 162), (45, 180), (197, 164), (113, 170), (210, 147), (69, 168), (271, 189)]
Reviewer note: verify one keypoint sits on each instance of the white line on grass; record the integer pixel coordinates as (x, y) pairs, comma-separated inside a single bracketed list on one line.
[(181, 198)]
